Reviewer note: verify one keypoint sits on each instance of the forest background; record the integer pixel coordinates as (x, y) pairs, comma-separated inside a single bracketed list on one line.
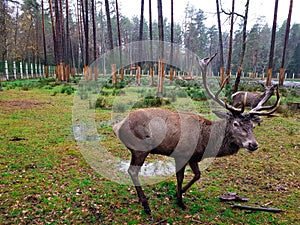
[(33, 30)]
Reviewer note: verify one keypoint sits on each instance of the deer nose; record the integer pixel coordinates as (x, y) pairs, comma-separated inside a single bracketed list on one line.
[(253, 146)]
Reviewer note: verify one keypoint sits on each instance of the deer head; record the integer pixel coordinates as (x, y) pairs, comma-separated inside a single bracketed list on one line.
[(237, 120)]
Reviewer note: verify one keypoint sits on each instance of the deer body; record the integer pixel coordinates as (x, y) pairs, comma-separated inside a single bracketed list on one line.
[(251, 99), (171, 133), (183, 136)]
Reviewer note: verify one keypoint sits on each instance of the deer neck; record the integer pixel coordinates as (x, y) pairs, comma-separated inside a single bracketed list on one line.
[(221, 140)]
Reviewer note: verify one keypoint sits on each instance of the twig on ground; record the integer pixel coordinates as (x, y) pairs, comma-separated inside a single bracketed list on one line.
[(275, 210)]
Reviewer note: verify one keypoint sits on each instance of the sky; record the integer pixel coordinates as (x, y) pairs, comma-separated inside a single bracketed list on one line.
[(257, 8)]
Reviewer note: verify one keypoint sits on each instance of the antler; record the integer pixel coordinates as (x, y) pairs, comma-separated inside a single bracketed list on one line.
[(203, 65), (260, 107)]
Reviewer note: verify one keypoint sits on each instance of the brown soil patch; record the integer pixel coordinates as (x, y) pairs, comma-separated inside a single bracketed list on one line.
[(19, 104)]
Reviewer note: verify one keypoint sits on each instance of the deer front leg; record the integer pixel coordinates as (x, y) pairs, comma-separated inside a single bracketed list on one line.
[(180, 176), (136, 163), (195, 168)]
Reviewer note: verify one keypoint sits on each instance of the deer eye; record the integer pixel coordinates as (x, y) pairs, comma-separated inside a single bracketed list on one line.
[(236, 124)]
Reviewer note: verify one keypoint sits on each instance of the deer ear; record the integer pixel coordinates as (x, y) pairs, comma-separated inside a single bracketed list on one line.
[(256, 119), (220, 114)]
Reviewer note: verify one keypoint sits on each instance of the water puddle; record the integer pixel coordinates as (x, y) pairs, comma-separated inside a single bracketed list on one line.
[(151, 169)]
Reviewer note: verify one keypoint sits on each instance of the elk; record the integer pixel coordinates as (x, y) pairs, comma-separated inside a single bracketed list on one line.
[(251, 99), (187, 137)]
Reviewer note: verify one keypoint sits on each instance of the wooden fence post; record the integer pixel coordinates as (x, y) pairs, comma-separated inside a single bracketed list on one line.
[(161, 76), (138, 75), (114, 74), (96, 73)]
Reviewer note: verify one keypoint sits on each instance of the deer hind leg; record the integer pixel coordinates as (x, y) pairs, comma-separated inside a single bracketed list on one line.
[(195, 168), (180, 176), (137, 160)]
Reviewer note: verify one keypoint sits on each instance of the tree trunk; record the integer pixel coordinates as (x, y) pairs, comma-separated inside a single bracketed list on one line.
[(220, 44), (151, 49), (109, 29), (172, 41), (86, 33), (67, 44), (53, 30), (80, 34), (94, 31), (160, 26), (119, 39), (110, 40), (62, 41), (240, 69), (286, 38), (161, 50), (59, 41), (141, 31), (44, 41), (271, 55), (228, 71)]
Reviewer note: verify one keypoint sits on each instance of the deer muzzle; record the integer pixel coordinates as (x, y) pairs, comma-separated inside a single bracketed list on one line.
[(250, 145)]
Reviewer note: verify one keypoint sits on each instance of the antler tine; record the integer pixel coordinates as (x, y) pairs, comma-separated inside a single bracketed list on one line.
[(259, 107), (234, 110), (203, 65), (264, 100)]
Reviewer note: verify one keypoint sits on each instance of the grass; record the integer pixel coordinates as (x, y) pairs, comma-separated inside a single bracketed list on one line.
[(44, 179)]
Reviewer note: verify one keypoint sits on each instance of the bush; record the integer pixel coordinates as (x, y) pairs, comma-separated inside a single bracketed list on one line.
[(151, 101), (181, 93), (197, 94), (120, 107), (67, 89), (100, 103)]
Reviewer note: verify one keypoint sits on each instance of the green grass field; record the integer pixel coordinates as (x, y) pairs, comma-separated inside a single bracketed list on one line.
[(44, 178)]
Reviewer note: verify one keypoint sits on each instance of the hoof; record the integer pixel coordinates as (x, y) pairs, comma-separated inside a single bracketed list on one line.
[(147, 211)]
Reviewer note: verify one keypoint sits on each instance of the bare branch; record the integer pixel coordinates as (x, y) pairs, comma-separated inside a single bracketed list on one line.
[(275, 210)]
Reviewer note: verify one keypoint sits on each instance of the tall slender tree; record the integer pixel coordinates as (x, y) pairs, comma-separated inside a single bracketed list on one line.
[(172, 40), (86, 32), (119, 40), (220, 43), (109, 29), (67, 44), (141, 30), (160, 21), (151, 48), (95, 52), (44, 41), (160, 85), (110, 41), (53, 30), (228, 70), (272, 48), (59, 40), (240, 69), (286, 38)]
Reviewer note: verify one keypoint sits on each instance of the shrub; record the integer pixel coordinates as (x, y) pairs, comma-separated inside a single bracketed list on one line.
[(120, 107), (197, 94), (67, 89), (151, 101), (100, 103)]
